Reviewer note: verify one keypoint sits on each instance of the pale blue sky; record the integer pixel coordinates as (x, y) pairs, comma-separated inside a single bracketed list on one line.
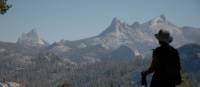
[(77, 19)]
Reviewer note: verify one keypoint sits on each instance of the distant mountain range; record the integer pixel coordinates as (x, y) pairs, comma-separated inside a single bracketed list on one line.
[(119, 41), (138, 38)]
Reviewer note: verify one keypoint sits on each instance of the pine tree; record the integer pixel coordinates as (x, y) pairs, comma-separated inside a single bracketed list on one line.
[(4, 6)]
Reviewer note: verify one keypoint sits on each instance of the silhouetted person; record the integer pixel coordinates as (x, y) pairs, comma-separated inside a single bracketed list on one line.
[(165, 63)]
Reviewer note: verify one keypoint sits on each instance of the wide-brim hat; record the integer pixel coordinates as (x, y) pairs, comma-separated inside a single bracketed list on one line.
[(164, 36)]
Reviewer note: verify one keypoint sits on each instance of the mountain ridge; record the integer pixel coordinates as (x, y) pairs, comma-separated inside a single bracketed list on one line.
[(32, 39), (139, 37)]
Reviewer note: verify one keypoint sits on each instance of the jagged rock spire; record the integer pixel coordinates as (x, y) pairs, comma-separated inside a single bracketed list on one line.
[(32, 39)]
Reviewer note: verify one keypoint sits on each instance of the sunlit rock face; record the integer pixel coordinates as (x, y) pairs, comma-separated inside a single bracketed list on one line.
[(32, 39)]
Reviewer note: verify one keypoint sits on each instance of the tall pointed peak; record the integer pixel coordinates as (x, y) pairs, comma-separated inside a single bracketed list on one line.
[(114, 26), (34, 30), (162, 16), (31, 38), (159, 20), (115, 21)]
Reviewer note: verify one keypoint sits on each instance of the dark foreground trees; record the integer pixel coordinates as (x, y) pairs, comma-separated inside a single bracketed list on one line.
[(4, 6)]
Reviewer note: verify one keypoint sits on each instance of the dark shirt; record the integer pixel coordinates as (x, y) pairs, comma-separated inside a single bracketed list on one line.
[(166, 66), (165, 59)]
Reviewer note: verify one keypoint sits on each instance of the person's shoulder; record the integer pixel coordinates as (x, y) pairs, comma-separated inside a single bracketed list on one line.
[(173, 50), (157, 49)]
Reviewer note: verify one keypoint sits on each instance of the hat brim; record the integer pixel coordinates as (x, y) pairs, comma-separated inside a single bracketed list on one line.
[(164, 39)]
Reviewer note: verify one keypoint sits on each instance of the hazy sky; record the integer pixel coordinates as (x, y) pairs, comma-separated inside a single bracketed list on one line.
[(76, 19)]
